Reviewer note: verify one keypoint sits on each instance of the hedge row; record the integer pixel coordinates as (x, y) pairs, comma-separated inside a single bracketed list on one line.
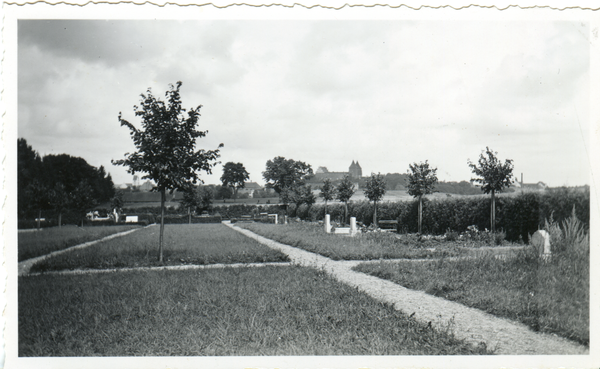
[(184, 219), (519, 215)]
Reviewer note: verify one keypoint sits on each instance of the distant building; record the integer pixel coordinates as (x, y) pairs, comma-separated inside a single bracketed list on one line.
[(540, 186), (249, 188), (322, 173)]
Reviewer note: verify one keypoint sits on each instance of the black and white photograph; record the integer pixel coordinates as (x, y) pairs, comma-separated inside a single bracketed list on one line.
[(300, 187)]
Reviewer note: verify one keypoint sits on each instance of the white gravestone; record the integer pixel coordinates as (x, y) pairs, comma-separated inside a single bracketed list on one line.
[(541, 241)]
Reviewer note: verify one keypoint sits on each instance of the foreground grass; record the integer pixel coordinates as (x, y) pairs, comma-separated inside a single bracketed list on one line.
[(34, 244), (367, 246), (183, 244), (231, 311), (551, 297)]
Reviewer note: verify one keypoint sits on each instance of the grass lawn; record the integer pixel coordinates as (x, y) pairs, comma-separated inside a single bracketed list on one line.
[(550, 297), (367, 246), (183, 244), (33, 244), (230, 311)]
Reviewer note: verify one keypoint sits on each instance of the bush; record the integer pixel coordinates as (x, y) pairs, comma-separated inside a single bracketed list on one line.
[(184, 219)]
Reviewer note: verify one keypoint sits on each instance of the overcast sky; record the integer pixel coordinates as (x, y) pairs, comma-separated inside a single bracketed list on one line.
[(384, 93)]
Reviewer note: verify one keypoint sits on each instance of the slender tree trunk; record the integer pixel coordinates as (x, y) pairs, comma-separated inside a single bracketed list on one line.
[(375, 214), (59, 220), (345, 212), (39, 218), (189, 215), (420, 214), (493, 211), (162, 224), (325, 208)]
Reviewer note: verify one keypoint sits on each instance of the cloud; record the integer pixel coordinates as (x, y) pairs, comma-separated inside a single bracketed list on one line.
[(386, 93)]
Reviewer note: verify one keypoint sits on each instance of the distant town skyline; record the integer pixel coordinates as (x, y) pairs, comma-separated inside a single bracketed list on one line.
[(386, 93)]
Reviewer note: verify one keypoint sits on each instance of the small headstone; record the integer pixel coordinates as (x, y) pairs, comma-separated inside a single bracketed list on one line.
[(353, 226), (327, 223), (541, 241)]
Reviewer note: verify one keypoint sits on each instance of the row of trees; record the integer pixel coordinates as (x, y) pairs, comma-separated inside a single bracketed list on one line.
[(288, 178), (61, 183), (166, 154)]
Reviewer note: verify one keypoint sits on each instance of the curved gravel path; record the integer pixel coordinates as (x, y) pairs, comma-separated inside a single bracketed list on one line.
[(505, 337)]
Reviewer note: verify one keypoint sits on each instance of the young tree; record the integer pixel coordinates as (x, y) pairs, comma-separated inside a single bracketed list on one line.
[(374, 191), (493, 176), (166, 146), (344, 192), (234, 176), (327, 192), (421, 181), (283, 175), (190, 201)]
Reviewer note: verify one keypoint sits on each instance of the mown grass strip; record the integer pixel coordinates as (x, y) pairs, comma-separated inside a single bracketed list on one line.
[(367, 246), (547, 296), (184, 244), (232, 311), (34, 244)]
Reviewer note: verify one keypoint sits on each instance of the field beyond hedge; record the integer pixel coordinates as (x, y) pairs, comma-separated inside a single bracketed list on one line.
[(183, 244)]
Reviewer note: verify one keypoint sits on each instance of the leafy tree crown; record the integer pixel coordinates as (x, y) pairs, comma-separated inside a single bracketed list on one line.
[(327, 190), (345, 189), (166, 143), (375, 187), (421, 179), (282, 173), (493, 174), (234, 175)]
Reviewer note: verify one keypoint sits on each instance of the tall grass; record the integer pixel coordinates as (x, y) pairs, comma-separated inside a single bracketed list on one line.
[(34, 244), (183, 244), (366, 246), (232, 311), (548, 296)]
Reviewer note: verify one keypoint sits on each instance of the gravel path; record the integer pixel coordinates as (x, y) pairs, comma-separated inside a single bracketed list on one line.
[(505, 337), (25, 266)]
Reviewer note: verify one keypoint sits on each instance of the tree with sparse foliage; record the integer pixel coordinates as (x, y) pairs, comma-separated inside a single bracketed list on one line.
[(234, 176), (344, 192), (374, 191), (421, 181), (284, 175), (166, 146), (327, 192), (494, 176)]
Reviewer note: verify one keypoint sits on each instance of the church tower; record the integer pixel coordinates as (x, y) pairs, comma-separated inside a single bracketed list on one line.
[(355, 170)]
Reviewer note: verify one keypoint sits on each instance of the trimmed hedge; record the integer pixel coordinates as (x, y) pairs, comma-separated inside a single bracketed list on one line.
[(184, 219)]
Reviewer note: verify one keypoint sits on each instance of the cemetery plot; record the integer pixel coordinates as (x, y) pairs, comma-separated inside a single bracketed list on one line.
[(231, 311), (34, 244), (547, 296), (367, 246), (184, 244)]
